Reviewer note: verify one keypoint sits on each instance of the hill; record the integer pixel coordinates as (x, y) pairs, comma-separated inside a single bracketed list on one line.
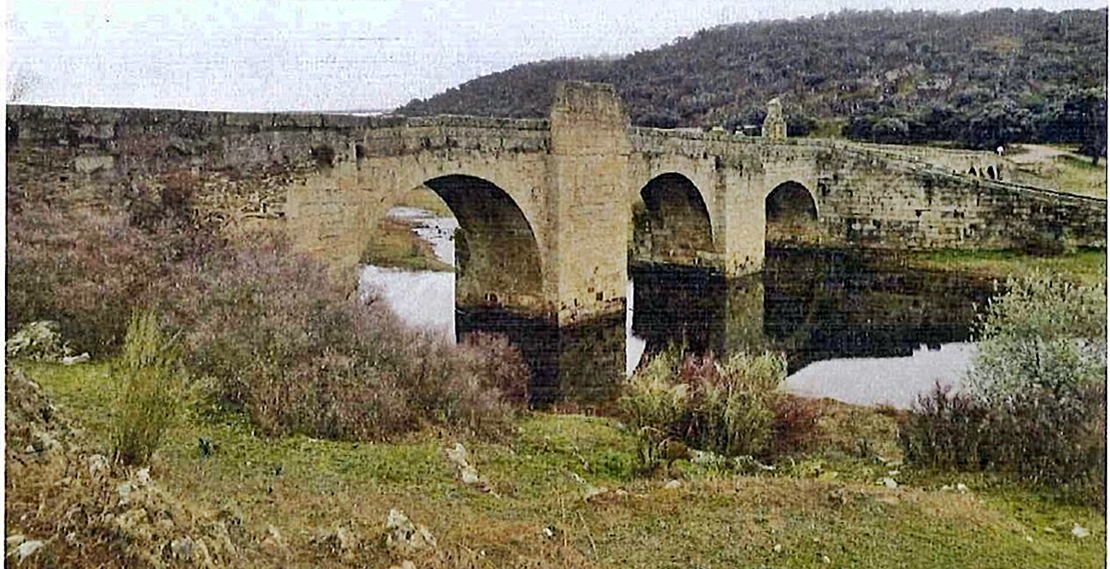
[(980, 79)]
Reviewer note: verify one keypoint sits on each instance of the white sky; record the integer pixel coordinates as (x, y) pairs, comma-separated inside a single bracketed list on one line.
[(347, 54)]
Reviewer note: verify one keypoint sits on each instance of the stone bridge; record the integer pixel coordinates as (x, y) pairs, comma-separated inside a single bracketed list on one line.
[(553, 211)]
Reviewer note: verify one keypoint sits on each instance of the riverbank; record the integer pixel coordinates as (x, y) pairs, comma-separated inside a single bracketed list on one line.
[(561, 492), (1082, 267)]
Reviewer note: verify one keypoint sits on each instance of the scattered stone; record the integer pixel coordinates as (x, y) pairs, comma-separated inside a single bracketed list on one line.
[(888, 482), (124, 490), (99, 467), (961, 488), (405, 537), (70, 360), (26, 549), (825, 559), (1080, 531), (672, 484), (142, 477), (182, 549), (777, 548), (467, 473), (592, 491), (274, 543)]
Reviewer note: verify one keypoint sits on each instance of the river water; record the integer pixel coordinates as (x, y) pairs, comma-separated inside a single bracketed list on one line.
[(855, 328)]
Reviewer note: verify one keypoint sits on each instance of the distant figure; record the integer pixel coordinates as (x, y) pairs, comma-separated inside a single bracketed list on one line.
[(1001, 150)]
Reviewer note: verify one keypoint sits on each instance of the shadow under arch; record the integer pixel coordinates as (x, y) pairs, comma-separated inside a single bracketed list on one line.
[(499, 277), (678, 296), (791, 216), (497, 258), (673, 226)]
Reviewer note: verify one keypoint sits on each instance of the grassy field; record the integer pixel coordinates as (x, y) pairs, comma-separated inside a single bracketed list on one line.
[(1086, 267), (1060, 168), (562, 493)]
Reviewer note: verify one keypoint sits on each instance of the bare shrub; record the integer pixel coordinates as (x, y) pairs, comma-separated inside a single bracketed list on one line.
[(299, 354), (82, 268), (945, 430), (794, 426)]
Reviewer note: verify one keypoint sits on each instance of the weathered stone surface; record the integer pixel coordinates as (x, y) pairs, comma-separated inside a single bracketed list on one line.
[(546, 206)]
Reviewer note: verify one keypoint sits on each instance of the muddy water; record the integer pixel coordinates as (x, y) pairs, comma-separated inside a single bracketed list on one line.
[(856, 327)]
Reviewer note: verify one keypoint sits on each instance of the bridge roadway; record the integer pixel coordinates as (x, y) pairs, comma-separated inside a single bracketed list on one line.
[(553, 211)]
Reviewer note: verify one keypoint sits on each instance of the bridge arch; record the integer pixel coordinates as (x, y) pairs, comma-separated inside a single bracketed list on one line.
[(791, 215), (497, 257), (674, 225)]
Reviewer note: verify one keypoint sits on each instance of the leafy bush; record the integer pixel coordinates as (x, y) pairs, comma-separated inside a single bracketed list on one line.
[(1044, 333), (298, 354), (1035, 405), (146, 403), (727, 408)]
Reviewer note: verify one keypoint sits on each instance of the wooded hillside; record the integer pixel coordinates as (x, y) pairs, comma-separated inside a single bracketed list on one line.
[(980, 79)]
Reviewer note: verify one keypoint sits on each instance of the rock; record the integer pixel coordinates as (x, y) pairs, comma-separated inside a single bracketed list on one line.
[(99, 467), (777, 548), (405, 537), (888, 482), (406, 564), (26, 549), (672, 485), (142, 477), (592, 491), (274, 544), (1080, 531), (124, 490), (13, 541), (70, 360), (182, 549), (467, 473)]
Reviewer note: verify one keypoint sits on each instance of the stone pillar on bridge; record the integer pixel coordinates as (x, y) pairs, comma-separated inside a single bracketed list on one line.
[(774, 126), (588, 171)]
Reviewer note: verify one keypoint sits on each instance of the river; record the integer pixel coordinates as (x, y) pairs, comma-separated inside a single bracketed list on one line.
[(854, 328)]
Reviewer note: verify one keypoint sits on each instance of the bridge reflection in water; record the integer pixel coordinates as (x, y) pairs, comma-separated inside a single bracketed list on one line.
[(812, 304), (815, 305)]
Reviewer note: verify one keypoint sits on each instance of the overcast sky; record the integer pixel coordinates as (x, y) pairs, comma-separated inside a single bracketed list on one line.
[(347, 54)]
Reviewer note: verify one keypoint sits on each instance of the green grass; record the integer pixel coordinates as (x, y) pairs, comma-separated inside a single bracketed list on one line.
[(1079, 176), (1087, 267), (715, 518), (394, 244)]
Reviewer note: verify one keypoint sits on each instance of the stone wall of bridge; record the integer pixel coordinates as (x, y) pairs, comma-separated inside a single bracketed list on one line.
[(546, 206)]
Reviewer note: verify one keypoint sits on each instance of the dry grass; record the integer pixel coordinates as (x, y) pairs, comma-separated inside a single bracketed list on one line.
[(540, 516)]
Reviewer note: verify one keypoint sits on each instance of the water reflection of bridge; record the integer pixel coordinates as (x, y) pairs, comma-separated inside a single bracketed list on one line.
[(813, 304)]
